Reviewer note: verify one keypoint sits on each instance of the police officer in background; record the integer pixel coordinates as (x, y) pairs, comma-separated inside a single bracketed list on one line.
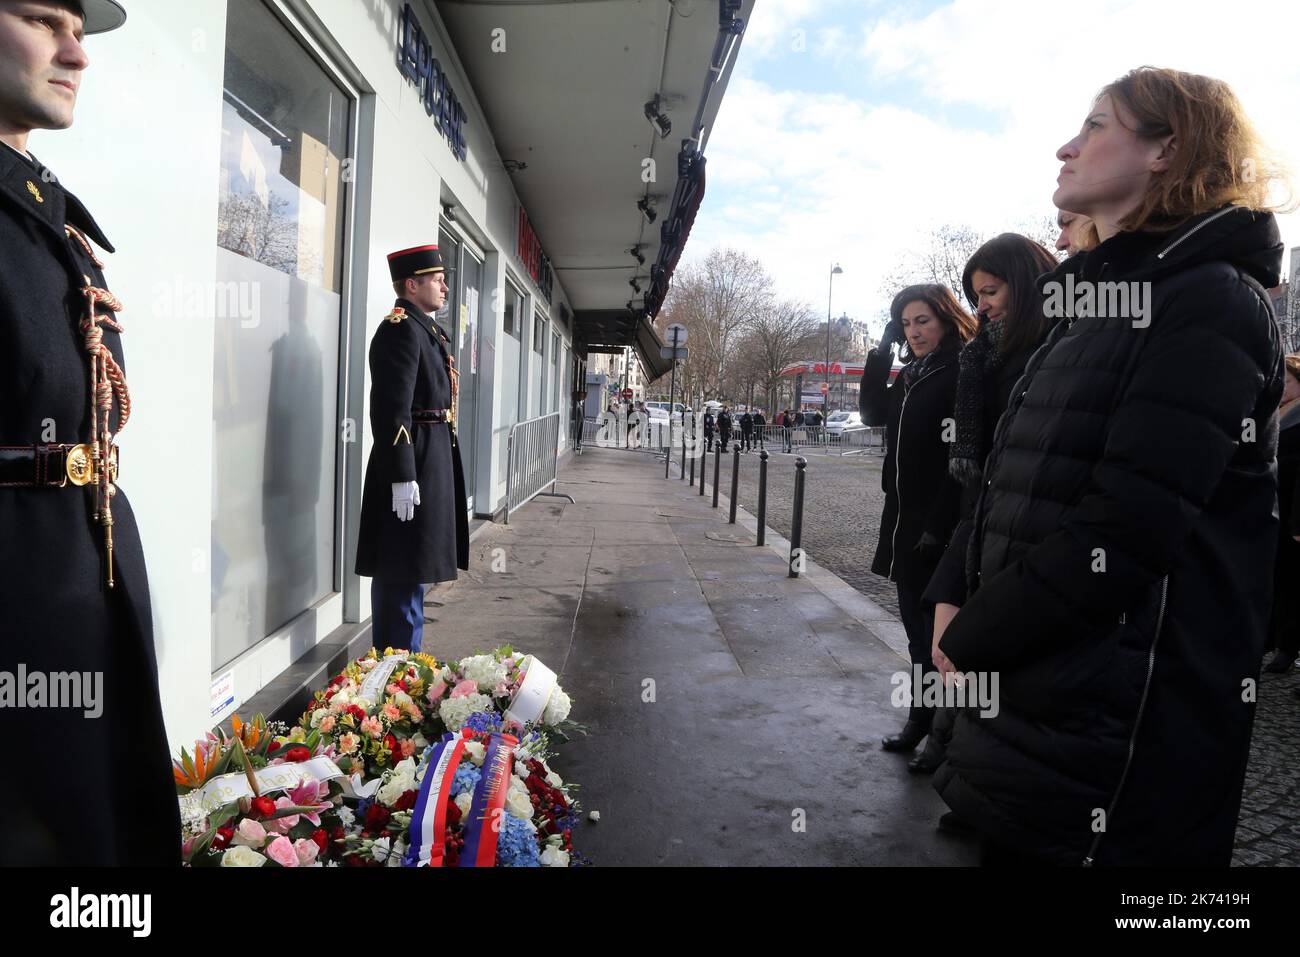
[(760, 423), (93, 782), (414, 517), (746, 431), (709, 425), (724, 427)]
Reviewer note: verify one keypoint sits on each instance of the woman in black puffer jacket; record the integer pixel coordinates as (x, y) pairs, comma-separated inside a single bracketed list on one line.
[(1286, 575), (1120, 565), (1000, 283), (921, 501)]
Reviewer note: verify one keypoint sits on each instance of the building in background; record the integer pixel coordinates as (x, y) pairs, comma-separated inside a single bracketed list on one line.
[(254, 161)]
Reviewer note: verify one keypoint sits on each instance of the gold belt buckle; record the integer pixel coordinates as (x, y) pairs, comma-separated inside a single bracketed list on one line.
[(80, 465)]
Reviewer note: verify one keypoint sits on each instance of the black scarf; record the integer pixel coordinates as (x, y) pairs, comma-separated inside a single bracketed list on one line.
[(979, 359)]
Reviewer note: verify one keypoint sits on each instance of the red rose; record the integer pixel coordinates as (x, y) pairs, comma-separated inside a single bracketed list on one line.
[(357, 712), (406, 801), (322, 841), (329, 694), (376, 817), (223, 838), (263, 807), (297, 754), (274, 746), (337, 834), (453, 814), (390, 743)]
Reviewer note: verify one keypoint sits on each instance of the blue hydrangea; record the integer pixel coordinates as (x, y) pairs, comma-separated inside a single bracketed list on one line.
[(517, 845), (466, 779), (484, 721)]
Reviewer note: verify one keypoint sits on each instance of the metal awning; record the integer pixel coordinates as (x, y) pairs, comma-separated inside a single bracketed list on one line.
[(570, 102)]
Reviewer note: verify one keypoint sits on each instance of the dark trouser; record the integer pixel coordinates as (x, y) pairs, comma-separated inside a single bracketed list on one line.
[(747, 440), (708, 441), (912, 573), (723, 439), (398, 610), (1285, 632)]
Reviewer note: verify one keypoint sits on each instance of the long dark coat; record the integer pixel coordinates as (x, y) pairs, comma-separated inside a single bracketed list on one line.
[(408, 370), (99, 790), (920, 496), (1122, 559)]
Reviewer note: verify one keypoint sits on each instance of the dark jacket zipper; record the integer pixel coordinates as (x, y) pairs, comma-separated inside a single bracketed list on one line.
[(1137, 724)]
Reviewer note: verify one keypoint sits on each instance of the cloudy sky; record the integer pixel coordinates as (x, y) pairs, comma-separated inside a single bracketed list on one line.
[(852, 127)]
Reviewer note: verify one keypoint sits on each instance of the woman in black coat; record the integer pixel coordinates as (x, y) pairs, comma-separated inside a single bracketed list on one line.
[(1286, 574), (1122, 551), (1000, 283), (921, 501)]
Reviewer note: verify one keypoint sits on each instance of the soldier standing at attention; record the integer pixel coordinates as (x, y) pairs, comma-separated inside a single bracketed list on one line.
[(73, 588), (414, 518)]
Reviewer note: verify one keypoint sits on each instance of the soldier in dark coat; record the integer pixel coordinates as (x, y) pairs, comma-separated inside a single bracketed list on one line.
[(414, 517), (72, 586)]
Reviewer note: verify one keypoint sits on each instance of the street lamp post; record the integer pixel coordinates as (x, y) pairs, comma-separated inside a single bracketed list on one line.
[(830, 288)]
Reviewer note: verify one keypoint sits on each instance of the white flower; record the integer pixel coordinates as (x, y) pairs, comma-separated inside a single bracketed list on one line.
[(455, 711), (318, 714), (476, 751), (381, 849), (346, 817), (340, 700), (389, 793), (399, 851), (554, 857), (594, 816), (241, 856), (484, 670), (463, 801), (521, 769), (519, 804), (402, 699), (557, 708), (420, 741)]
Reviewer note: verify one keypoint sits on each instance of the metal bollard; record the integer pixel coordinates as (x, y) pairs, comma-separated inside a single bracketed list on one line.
[(693, 458), (762, 497), (704, 468), (735, 485), (796, 524), (717, 467), (668, 447)]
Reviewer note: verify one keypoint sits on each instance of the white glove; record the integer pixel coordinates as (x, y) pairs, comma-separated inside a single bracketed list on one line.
[(406, 495)]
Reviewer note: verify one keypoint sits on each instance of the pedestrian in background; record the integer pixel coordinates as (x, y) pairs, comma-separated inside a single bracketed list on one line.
[(1286, 577), (746, 431), (1121, 561), (922, 500), (760, 424)]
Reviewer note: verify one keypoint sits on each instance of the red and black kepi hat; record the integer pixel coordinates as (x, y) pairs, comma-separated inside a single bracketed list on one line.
[(100, 16), (417, 261)]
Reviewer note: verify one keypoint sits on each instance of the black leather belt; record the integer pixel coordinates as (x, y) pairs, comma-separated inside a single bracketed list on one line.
[(430, 416), (48, 466)]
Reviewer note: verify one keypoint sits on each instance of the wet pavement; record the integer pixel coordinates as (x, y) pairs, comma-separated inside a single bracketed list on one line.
[(735, 713)]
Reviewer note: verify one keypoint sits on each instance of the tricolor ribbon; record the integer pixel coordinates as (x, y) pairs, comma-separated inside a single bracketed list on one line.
[(487, 807), (429, 816)]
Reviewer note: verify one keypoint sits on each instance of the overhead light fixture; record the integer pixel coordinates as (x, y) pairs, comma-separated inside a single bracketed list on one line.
[(644, 205), (655, 114)]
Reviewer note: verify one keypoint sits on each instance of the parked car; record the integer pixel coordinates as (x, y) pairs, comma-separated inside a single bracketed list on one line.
[(841, 422)]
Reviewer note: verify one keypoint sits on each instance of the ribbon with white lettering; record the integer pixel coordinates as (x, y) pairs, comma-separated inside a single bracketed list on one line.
[(278, 777), (429, 816), (372, 688), (487, 807), (529, 703)]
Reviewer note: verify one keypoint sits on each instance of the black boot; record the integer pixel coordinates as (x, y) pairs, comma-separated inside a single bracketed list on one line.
[(931, 756), (917, 727)]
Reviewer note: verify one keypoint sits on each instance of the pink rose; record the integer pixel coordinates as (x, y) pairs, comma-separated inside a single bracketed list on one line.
[(436, 691), (502, 690), (282, 825), (463, 688), (281, 851), (306, 849), (250, 833)]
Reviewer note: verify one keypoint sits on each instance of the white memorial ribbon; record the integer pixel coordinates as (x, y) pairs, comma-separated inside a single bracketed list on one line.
[(372, 689), (279, 777), (529, 702)]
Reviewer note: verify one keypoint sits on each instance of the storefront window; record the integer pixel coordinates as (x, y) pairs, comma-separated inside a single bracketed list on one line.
[(280, 238)]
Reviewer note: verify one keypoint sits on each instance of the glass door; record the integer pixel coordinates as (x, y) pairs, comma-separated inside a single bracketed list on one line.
[(469, 290)]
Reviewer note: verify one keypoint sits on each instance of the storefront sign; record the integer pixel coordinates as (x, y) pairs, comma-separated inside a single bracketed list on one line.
[(418, 64), (529, 250)]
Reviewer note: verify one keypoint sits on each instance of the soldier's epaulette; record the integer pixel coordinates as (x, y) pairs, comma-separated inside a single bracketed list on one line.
[(397, 315)]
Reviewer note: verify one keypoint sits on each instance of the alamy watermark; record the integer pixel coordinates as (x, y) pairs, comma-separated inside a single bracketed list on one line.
[(927, 689), (1083, 299), (53, 689)]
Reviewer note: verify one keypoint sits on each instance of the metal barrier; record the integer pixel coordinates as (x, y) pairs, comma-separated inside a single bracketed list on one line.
[(532, 461)]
